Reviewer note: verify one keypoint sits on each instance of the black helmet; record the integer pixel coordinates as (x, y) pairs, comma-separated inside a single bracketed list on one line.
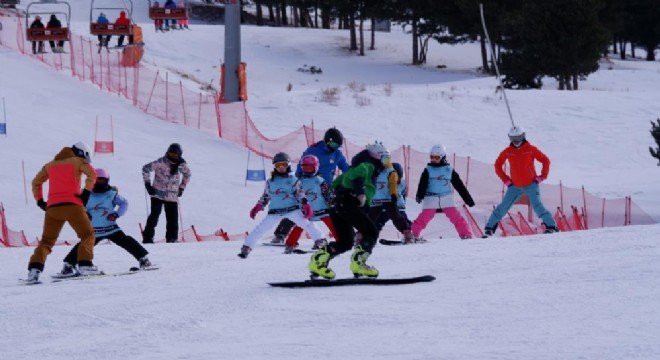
[(399, 169), (281, 156), (175, 148), (333, 135)]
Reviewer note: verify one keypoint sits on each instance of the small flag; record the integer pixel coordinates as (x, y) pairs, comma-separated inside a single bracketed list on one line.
[(3, 128)]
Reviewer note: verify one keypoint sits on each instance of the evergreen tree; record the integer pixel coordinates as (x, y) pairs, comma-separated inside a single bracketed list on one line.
[(655, 132)]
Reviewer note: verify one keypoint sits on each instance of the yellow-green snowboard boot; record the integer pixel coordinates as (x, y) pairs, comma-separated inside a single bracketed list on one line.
[(359, 265), (318, 264)]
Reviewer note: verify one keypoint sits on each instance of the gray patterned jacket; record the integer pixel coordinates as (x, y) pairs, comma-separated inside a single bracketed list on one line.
[(166, 185)]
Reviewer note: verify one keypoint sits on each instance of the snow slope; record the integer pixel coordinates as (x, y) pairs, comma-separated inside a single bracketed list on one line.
[(584, 295)]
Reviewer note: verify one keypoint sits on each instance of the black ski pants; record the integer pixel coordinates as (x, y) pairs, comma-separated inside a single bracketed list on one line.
[(382, 213), (122, 240), (284, 228), (346, 214), (171, 219)]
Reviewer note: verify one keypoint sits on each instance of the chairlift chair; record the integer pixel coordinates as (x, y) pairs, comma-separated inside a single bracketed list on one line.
[(48, 34), (111, 28), (163, 13), (9, 3)]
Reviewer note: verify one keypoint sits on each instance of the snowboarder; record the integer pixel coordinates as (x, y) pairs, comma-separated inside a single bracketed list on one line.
[(171, 176), (287, 199), (435, 191), (65, 203), (104, 207), (523, 180), (319, 195), (354, 190), (330, 158)]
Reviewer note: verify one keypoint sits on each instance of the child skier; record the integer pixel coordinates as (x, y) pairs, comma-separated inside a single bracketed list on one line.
[(319, 195), (104, 206), (286, 198), (385, 204), (435, 190), (354, 189)]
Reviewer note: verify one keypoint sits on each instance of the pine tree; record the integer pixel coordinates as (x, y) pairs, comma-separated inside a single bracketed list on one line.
[(655, 132)]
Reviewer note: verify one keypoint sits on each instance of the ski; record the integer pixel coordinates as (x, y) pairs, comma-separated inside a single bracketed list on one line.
[(131, 271), (353, 281), (399, 242), (273, 244)]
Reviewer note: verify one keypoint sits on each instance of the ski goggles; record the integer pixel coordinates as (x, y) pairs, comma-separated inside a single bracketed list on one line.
[(308, 169), (386, 159), (283, 165), (436, 157), (333, 145)]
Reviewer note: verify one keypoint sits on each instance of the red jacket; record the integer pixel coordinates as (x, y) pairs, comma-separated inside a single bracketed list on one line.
[(521, 164), (122, 19), (63, 176)]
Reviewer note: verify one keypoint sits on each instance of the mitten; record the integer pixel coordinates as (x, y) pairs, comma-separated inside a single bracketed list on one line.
[(42, 204), (84, 196), (255, 210), (113, 216), (307, 211), (362, 198), (538, 179), (150, 189), (508, 183), (180, 192)]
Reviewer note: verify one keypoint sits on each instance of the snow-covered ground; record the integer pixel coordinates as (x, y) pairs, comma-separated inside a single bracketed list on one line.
[(589, 295)]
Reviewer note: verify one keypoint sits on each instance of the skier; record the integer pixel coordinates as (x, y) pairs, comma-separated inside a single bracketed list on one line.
[(104, 206), (523, 180), (318, 192), (65, 204), (384, 216), (330, 158), (123, 20), (158, 23), (37, 24), (54, 23), (103, 40), (171, 176), (287, 199), (354, 190), (435, 191), (170, 4), (385, 204)]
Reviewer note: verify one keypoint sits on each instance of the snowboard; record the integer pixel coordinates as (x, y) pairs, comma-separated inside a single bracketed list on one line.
[(397, 242), (353, 281)]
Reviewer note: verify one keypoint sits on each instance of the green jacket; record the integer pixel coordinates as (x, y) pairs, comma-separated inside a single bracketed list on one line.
[(364, 173)]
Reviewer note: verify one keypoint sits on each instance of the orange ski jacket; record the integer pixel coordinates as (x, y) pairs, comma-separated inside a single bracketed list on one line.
[(521, 164)]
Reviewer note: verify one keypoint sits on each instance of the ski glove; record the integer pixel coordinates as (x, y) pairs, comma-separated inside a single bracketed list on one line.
[(307, 211), (508, 183), (150, 189), (538, 179), (84, 196), (180, 192), (362, 198), (113, 216), (42, 204), (418, 200), (255, 210)]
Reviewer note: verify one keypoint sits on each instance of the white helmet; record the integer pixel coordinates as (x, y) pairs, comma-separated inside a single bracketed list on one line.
[(516, 133), (82, 150), (439, 150), (377, 150)]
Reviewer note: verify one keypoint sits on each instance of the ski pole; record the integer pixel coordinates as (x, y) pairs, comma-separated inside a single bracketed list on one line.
[(497, 69)]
